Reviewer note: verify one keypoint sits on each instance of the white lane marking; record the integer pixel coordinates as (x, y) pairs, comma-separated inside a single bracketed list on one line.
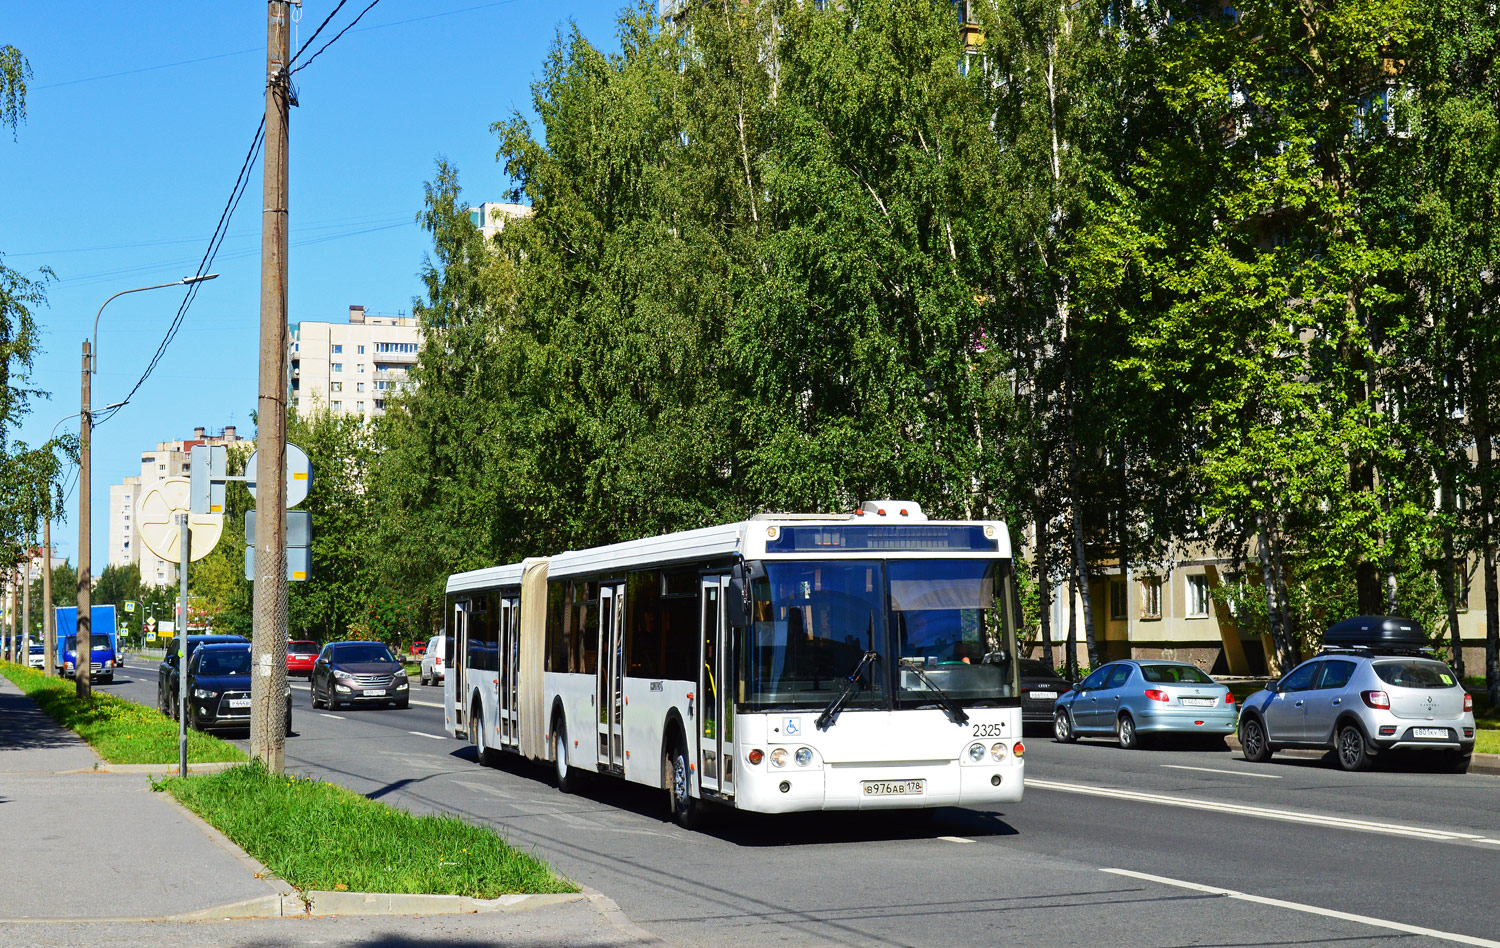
[(954, 839), (436, 737), (1289, 816), (336, 717), (1310, 909), (1216, 770)]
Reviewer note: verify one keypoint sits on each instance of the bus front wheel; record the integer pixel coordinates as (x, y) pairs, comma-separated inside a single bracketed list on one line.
[(567, 781), (686, 811)]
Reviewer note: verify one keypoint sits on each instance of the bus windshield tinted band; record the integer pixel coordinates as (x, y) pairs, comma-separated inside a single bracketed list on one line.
[(896, 537)]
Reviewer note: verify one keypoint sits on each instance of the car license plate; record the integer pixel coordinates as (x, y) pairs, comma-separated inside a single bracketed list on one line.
[(1199, 702), (887, 788), (374, 693), (1439, 732), (239, 702), (1044, 694)]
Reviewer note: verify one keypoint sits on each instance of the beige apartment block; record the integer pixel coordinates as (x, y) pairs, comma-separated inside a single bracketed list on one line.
[(491, 217), (352, 368), (170, 459)]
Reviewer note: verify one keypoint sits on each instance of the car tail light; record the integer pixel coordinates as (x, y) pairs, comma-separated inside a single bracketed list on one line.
[(1468, 702), (1376, 699), (1229, 697), (1386, 730), (1157, 695)]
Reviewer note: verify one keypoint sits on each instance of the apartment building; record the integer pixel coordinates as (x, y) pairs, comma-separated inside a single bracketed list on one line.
[(491, 217), (350, 368), (170, 459)]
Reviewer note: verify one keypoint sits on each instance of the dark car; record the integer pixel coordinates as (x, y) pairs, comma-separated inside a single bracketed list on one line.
[(166, 672), (1040, 686), (300, 657), (358, 673), (219, 688)]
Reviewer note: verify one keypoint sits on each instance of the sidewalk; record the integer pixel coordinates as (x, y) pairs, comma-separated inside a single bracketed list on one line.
[(89, 856)]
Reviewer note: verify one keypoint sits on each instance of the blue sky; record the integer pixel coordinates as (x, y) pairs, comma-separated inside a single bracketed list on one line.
[(139, 118)]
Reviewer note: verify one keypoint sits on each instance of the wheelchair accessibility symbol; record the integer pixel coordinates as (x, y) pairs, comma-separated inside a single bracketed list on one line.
[(791, 727)]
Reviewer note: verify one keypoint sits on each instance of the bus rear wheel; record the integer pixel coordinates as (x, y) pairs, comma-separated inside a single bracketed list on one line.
[(567, 781), (686, 811)]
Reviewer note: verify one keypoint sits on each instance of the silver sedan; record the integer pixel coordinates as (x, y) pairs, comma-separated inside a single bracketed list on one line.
[(1136, 699)]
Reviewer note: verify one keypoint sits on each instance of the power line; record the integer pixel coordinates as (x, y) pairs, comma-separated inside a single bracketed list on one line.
[(326, 20), (335, 38), (221, 230)]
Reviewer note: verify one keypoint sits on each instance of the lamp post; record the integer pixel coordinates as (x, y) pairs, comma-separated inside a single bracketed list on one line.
[(83, 658)]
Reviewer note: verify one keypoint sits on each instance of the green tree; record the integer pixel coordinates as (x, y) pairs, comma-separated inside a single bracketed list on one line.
[(15, 71)]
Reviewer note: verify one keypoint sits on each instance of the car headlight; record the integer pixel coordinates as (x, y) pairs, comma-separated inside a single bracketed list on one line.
[(202, 693), (778, 757), (804, 756), (976, 752), (400, 674), (998, 751), (341, 675)]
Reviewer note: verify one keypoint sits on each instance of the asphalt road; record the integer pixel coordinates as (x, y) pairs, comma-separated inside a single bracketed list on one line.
[(1109, 847)]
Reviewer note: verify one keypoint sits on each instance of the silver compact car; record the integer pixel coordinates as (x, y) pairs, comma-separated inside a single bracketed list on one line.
[(1361, 702), (1137, 699)]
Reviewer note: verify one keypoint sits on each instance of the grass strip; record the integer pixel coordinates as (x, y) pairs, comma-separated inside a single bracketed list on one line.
[(123, 732), (317, 835)]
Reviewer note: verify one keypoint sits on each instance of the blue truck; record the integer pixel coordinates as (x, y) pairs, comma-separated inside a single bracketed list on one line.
[(105, 652)]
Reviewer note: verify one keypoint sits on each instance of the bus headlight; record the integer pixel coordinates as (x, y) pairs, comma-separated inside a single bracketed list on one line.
[(976, 752), (778, 757), (804, 756), (998, 751)]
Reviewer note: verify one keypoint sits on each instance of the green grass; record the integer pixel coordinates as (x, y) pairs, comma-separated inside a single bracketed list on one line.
[(123, 732), (317, 835)]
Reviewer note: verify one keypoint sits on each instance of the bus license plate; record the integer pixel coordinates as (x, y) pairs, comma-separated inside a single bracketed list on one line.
[(889, 788), (1438, 732)]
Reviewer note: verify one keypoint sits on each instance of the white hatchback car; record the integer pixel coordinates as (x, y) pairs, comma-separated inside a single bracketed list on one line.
[(432, 661)]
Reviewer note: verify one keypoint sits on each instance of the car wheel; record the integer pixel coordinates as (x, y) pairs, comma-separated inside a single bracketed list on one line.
[(1062, 727), (567, 780), (1353, 753), (1130, 739), (403, 704), (422, 679), (1253, 741), (684, 809), (1456, 763)]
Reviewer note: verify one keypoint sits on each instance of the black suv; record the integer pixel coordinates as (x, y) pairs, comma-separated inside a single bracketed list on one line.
[(219, 688), (166, 672), (358, 673)]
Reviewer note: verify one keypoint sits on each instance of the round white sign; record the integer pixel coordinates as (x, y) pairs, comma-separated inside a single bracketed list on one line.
[(157, 524)]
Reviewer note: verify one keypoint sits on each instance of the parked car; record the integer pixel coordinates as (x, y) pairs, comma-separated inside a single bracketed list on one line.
[(1040, 686), (417, 649), (433, 668), (166, 672), (358, 673), (1138, 699), (1374, 688), (219, 688), (301, 655), (37, 655)]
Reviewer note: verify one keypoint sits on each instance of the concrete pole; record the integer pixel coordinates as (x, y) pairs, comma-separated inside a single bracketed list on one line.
[(268, 644), (182, 665), (49, 628), (84, 653)]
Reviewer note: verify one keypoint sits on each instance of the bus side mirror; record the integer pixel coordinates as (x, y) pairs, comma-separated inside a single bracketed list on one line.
[(738, 601)]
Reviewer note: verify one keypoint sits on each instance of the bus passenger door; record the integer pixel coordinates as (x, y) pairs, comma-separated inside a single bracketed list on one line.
[(611, 691), (716, 699), (454, 692), (513, 642), (504, 671)]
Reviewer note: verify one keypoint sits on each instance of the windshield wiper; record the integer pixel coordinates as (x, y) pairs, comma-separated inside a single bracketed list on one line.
[(831, 713), (950, 707)]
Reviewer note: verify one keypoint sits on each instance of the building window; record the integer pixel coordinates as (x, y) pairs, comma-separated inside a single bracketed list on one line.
[(338, 367), (380, 404), (337, 406), (361, 350), (359, 386), (1117, 599), (359, 407), (1461, 587), (382, 386), (337, 349), (1151, 599), (336, 386), (1197, 588), (361, 369)]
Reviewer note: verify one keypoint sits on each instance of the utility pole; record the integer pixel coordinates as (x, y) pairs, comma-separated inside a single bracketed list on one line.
[(83, 653), (268, 644), (25, 658), (49, 631)]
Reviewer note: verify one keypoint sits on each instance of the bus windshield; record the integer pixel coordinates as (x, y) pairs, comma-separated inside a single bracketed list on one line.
[(945, 631), (947, 619), (813, 623)]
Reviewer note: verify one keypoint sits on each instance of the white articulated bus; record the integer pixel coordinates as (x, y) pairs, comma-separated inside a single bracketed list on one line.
[(787, 662)]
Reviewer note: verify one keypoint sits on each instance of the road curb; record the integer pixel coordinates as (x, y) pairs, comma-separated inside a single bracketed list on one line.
[(164, 770), (616, 916)]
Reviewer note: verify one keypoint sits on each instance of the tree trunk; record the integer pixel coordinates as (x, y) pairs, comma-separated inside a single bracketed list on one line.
[(1044, 587), (1283, 657), (1450, 571), (1081, 570), (1071, 658), (1485, 451)]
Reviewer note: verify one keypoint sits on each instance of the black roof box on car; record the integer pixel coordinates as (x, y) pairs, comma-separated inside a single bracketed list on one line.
[(1375, 632)]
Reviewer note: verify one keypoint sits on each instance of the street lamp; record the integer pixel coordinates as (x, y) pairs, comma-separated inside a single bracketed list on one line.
[(82, 661)]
